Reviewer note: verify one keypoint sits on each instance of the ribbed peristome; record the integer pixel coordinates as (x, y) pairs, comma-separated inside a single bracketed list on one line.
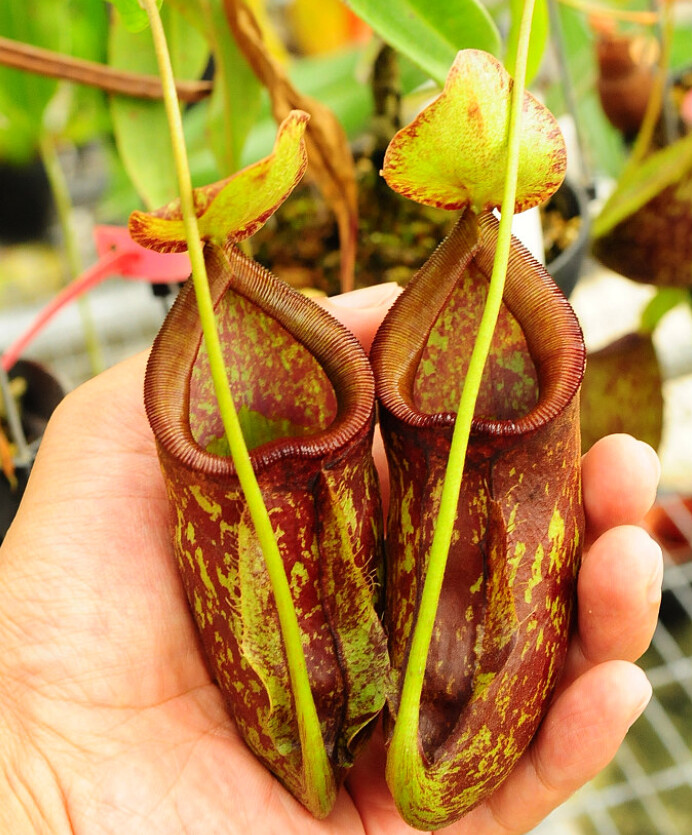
[(547, 321)]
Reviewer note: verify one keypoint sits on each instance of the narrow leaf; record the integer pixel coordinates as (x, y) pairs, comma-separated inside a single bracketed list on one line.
[(23, 95), (645, 229), (540, 28), (133, 15), (665, 300), (141, 127), (656, 173), (235, 100)]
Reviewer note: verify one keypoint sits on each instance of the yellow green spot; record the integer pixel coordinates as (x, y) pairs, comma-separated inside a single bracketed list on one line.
[(556, 533), (209, 506), (204, 574), (536, 573)]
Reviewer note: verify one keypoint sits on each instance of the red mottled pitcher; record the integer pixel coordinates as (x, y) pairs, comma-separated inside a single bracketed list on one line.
[(504, 616), (304, 392)]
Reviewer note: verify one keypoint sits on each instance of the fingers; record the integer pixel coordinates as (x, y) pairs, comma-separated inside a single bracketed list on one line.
[(619, 586), (362, 311), (620, 476), (368, 789), (619, 595), (579, 736)]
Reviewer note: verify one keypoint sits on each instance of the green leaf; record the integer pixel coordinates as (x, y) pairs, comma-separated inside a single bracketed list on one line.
[(133, 15), (661, 169), (540, 28), (141, 127), (663, 302), (88, 116), (431, 32), (70, 27), (24, 96), (238, 206), (454, 154), (235, 100)]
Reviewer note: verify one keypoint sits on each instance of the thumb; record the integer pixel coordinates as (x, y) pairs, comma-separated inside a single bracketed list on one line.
[(362, 311)]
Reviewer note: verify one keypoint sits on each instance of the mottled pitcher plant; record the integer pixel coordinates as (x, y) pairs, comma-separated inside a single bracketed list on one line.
[(499, 627), (304, 393), (504, 615)]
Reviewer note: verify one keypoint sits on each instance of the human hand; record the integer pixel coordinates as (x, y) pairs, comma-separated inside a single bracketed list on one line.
[(109, 720)]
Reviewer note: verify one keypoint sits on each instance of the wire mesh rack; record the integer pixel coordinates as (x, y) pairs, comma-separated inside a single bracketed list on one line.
[(647, 789)]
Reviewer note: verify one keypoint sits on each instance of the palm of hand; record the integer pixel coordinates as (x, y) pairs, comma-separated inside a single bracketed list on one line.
[(114, 681), (118, 712)]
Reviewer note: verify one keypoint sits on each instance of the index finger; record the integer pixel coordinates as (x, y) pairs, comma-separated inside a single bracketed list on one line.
[(620, 476)]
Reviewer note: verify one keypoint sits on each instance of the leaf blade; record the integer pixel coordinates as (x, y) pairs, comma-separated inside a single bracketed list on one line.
[(431, 32), (454, 154), (141, 127), (238, 206)]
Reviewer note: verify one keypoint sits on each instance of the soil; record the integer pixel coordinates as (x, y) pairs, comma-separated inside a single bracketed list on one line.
[(559, 230), (300, 243)]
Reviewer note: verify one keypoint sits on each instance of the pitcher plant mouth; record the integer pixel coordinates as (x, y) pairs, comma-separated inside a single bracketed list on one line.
[(343, 379), (552, 335)]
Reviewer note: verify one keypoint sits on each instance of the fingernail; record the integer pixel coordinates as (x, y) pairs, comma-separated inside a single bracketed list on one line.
[(637, 712), (653, 459), (375, 296), (653, 590)]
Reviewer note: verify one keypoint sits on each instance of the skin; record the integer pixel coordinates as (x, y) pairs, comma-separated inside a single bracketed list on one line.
[(109, 721)]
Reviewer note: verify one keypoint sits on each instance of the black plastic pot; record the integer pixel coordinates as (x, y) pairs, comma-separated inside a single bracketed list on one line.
[(26, 211), (43, 393), (571, 201)]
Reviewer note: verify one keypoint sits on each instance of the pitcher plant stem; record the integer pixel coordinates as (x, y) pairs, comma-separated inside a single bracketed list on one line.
[(65, 211)]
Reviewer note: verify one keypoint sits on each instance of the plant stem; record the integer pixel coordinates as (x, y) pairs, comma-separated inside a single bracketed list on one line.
[(630, 15), (654, 105), (318, 773), (30, 58), (65, 210), (404, 742)]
